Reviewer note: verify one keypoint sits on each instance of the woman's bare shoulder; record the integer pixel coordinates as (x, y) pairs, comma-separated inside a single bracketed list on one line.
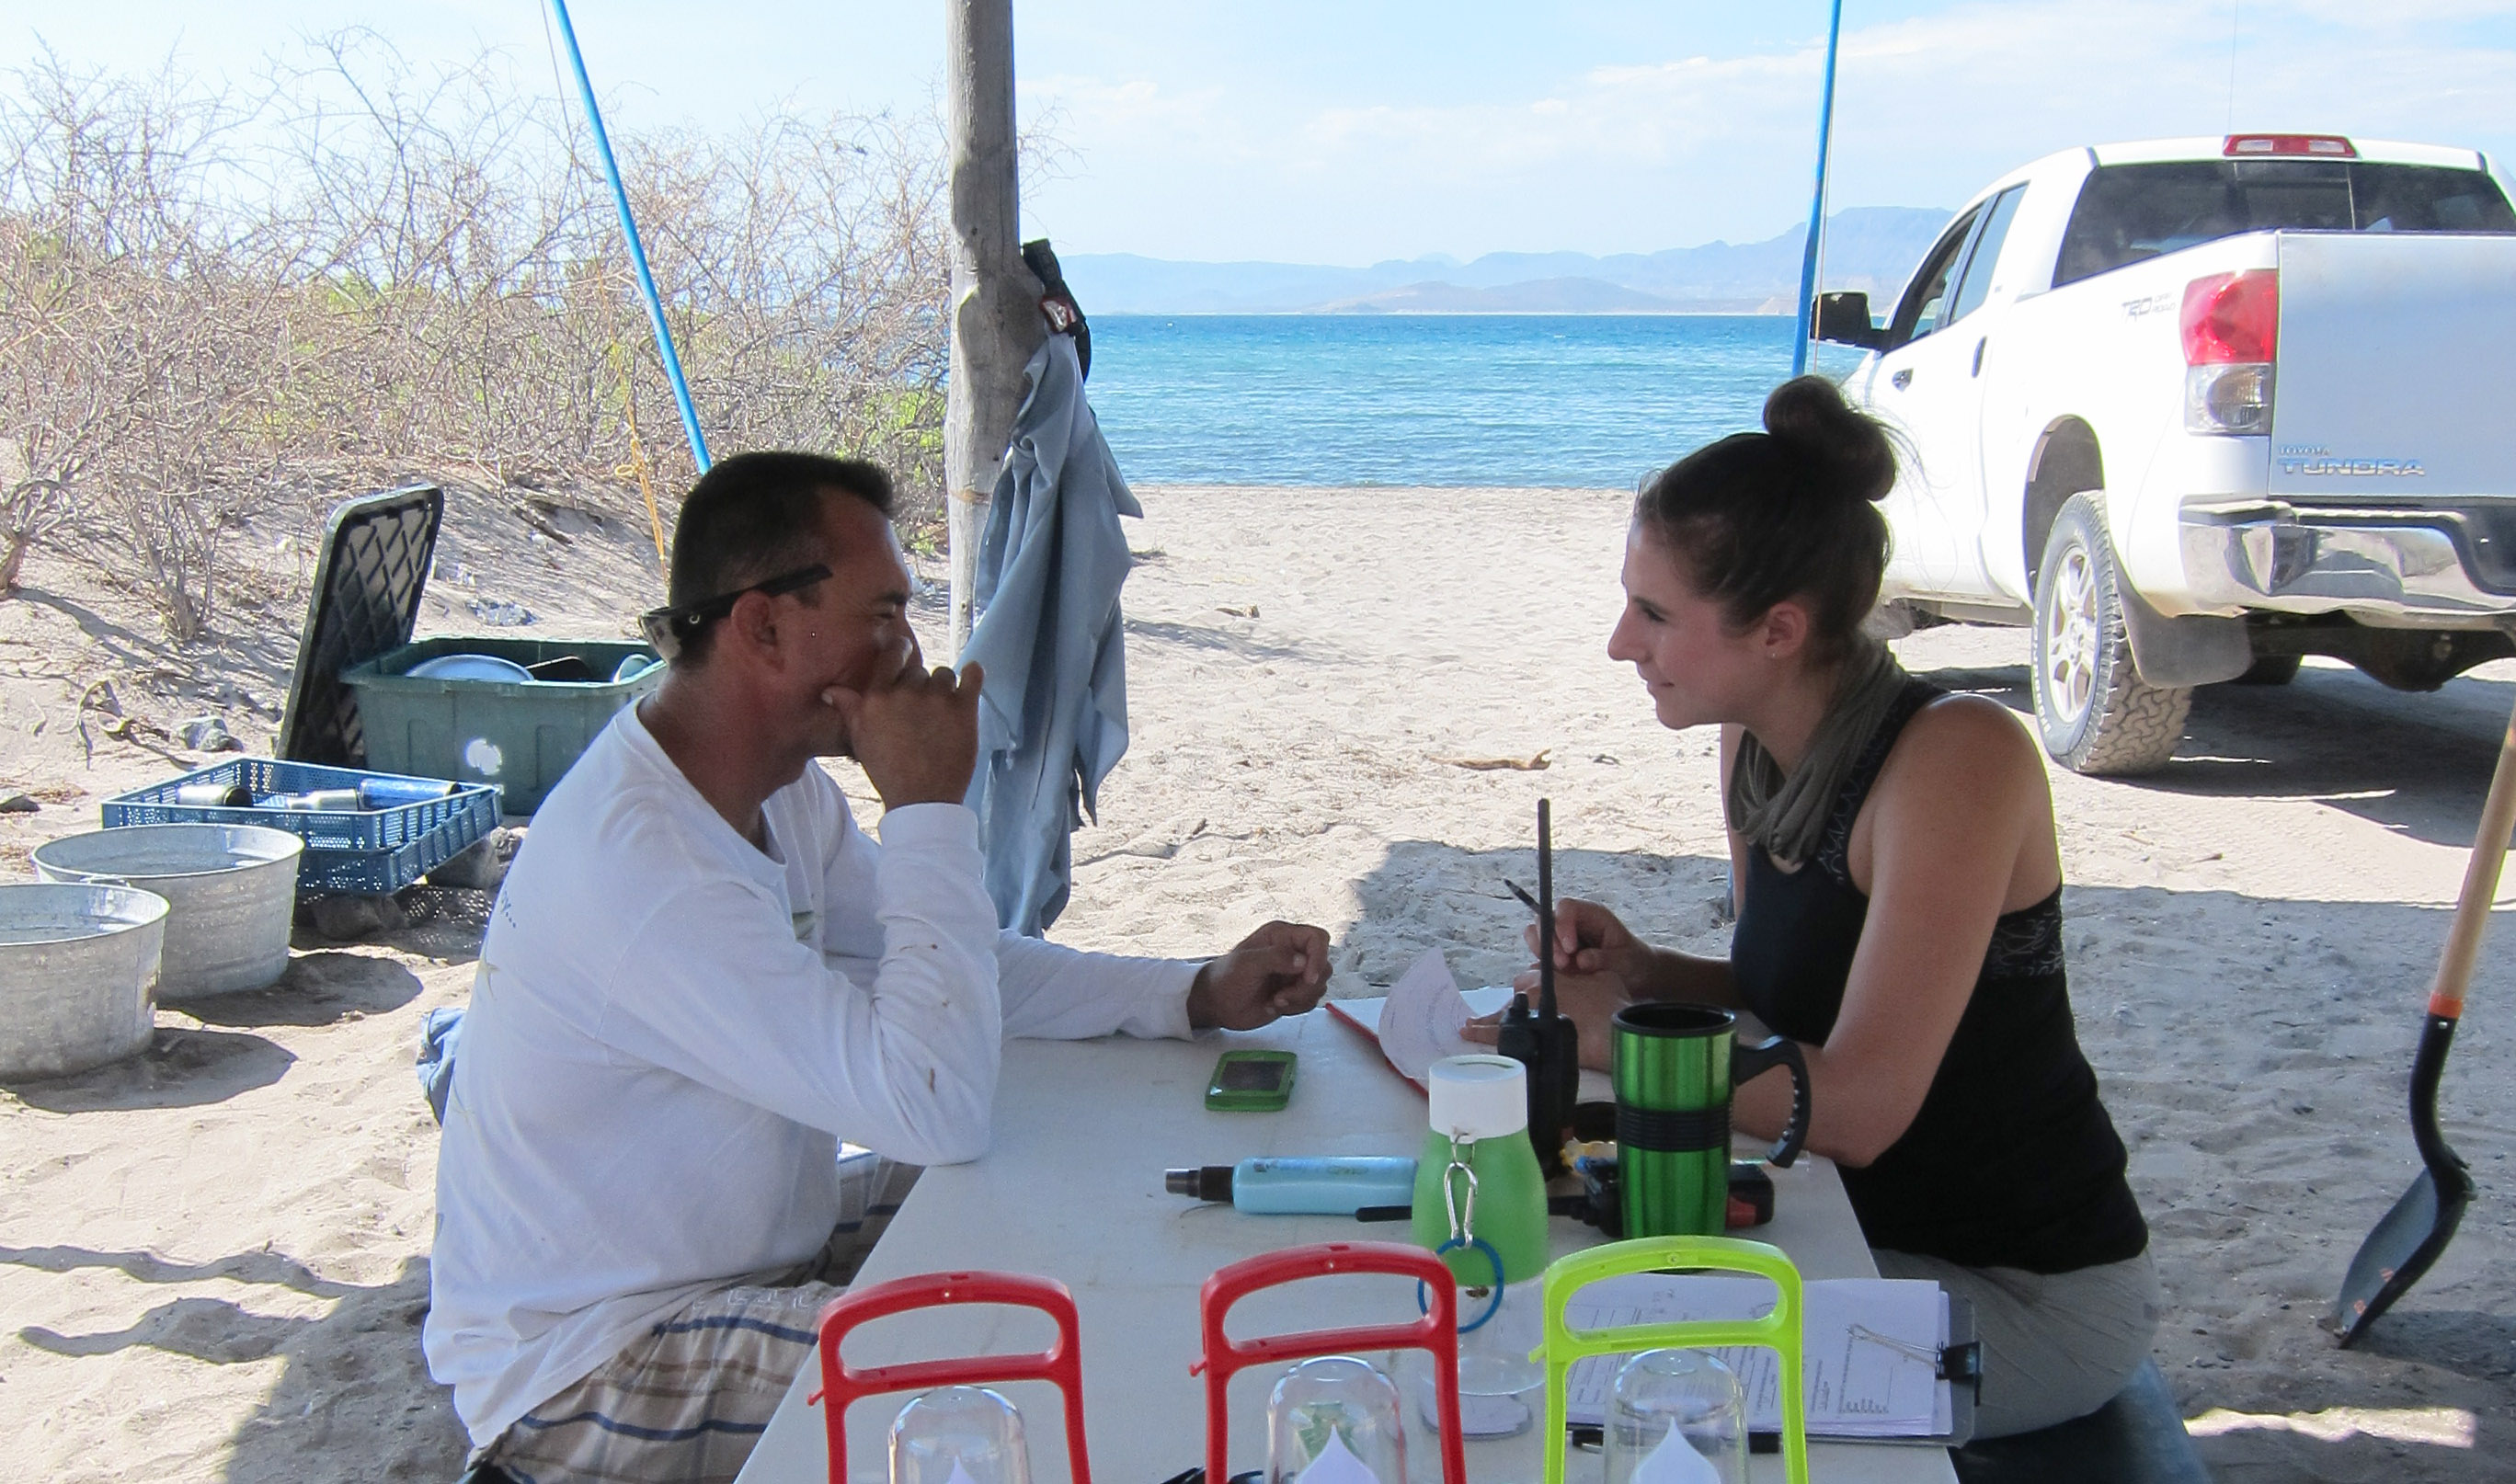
[(1967, 741)]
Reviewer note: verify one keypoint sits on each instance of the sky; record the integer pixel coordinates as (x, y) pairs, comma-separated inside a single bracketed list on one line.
[(1332, 131)]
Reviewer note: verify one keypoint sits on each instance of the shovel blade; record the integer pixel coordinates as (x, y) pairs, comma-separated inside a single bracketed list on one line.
[(2400, 1249)]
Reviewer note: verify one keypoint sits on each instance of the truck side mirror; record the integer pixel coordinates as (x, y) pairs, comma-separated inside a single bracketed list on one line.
[(1844, 318)]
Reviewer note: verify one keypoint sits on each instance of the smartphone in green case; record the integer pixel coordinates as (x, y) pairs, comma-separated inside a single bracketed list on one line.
[(1250, 1082)]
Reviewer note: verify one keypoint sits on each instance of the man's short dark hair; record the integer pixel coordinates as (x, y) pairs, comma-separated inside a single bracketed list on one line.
[(758, 515)]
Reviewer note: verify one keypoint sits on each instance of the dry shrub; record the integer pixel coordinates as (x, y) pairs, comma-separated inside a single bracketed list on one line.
[(363, 271)]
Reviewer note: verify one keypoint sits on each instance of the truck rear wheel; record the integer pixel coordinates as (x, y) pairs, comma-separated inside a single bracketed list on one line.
[(2094, 712)]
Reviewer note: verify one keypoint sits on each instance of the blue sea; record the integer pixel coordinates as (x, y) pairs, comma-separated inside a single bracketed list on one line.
[(1576, 400)]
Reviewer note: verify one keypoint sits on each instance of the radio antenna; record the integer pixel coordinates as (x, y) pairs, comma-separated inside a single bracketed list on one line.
[(1546, 914)]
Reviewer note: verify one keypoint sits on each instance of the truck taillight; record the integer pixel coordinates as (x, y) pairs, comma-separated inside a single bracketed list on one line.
[(2230, 317), (2330, 147), (2231, 326)]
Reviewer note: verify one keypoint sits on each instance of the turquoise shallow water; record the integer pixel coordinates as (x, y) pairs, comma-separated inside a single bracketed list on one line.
[(1583, 401)]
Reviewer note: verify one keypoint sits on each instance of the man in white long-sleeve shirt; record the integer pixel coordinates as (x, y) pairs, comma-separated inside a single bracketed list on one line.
[(701, 975)]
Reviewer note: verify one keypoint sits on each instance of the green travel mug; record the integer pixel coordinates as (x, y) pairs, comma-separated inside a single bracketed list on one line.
[(1673, 1067)]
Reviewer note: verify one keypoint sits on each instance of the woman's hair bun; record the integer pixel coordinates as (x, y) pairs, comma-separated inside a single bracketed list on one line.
[(1848, 448)]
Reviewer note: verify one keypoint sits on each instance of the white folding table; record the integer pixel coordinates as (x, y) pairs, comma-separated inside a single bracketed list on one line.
[(1073, 1189)]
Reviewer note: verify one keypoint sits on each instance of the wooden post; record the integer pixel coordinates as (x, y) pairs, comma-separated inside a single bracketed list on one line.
[(996, 322)]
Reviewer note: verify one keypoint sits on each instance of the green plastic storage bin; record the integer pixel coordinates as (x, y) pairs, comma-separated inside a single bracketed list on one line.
[(523, 735)]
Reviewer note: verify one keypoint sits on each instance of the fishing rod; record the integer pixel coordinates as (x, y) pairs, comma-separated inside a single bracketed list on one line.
[(637, 249), (1811, 256)]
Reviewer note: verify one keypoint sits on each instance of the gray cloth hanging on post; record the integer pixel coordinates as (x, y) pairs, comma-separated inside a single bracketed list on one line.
[(1053, 717)]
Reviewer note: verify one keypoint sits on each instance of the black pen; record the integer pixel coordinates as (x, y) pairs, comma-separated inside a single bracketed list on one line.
[(1592, 1435)]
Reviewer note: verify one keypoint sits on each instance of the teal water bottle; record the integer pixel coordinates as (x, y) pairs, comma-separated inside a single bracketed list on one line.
[(1481, 1204)]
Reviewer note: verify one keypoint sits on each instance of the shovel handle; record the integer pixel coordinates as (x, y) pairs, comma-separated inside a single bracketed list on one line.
[(2480, 885)]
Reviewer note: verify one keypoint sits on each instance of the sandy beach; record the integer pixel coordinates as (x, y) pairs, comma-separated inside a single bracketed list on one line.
[(213, 1258)]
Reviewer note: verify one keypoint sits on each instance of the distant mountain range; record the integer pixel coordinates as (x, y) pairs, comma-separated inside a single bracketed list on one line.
[(1870, 248)]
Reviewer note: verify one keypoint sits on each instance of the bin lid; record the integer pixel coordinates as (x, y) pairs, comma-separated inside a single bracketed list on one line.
[(367, 585)]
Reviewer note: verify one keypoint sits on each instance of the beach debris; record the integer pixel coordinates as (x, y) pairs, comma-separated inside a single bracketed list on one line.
[(1535, 765), (349, 919), (500, 615), (1250, 612), (207, 734), (19, 804), (1160, 843), (484, 865), (538, 527), (97, 696)]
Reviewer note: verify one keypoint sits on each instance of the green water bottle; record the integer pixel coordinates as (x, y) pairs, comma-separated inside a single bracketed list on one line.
[(1480, 1203)]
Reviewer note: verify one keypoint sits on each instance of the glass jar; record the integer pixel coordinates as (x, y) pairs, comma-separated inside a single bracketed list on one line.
[(1676, 1417), (1334, 1419), (959, 1435)]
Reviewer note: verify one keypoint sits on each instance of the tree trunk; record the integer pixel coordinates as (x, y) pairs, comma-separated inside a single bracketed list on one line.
[(996, 322)]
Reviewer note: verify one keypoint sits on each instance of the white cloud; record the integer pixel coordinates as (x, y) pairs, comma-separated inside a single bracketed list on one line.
[(2399, 15), (1196, 132), (1638, 155), (2032, 77)]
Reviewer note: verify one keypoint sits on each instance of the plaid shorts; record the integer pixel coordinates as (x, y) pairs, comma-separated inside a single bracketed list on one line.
[(687, 1400)]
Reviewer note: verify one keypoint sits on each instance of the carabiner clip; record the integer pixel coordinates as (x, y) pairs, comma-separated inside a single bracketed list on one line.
[(1462, 1215)]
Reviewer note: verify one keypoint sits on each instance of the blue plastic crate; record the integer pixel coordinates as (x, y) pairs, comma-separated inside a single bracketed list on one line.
[(368, 852)]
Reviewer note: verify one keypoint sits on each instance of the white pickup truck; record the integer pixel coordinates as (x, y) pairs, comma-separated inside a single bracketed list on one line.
[(2193, 408)]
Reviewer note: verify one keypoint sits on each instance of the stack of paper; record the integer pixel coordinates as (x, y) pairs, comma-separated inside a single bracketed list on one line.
[(1868, 1354), (1418, 1022)]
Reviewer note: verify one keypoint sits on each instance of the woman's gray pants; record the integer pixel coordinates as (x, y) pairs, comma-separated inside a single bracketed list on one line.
[(2055, 1346)]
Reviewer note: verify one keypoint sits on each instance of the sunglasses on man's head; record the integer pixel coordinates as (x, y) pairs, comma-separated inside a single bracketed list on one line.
[(667, 629)]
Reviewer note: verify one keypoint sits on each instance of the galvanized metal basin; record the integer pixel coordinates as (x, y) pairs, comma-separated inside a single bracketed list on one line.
[(79, 965), (232, 889)]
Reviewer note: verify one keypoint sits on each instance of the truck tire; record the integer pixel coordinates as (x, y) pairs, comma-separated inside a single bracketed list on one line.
[(2095, 713)]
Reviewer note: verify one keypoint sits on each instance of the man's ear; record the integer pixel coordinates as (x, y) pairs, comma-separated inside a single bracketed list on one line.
[(752, 624)]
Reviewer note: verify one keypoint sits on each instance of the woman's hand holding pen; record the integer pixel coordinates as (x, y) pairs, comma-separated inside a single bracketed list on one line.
[(1589, 940), (1600, 967)]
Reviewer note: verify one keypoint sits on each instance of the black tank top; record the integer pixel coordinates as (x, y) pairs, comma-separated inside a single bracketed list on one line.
[(2011, 1160)]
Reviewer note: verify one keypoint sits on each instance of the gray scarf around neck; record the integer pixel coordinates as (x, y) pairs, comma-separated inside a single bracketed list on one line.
[(1787, 816)]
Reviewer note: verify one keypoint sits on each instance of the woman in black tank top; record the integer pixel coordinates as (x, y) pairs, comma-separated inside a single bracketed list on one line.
[(1897, 888)]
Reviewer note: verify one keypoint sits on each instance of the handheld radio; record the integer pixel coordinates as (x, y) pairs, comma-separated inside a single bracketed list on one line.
[(1542, 1040)]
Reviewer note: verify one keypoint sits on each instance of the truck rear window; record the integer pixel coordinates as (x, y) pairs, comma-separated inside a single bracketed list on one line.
[(2128, 213)]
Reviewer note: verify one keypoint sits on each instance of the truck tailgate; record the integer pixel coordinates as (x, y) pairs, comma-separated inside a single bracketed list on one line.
[(2395, 360)]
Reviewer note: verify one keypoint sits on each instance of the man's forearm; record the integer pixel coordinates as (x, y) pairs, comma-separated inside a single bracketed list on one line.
[(1054, 993)]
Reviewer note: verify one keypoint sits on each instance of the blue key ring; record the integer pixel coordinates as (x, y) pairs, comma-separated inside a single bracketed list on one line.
[(1424, 1299)]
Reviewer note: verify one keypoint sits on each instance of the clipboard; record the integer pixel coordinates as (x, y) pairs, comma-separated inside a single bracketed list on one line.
[(1950, 1345), (1960, 1367)]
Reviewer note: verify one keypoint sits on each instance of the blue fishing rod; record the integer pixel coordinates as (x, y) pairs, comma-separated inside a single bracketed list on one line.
[(637, 249), (1817, 207)]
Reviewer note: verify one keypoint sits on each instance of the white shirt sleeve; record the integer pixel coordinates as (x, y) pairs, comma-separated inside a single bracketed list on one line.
[(1048, 992), (1055, 993), (716, 986)]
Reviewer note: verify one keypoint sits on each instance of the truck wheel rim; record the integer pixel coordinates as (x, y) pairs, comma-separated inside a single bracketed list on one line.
[(2071, 636)]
